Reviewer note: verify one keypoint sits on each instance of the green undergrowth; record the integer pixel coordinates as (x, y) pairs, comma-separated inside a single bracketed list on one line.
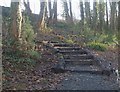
[(97, 46), (63, 26), (21, 52), (21, 59), (22, 56), (69, 41), (34, 54), (95, 39), (98, 40)]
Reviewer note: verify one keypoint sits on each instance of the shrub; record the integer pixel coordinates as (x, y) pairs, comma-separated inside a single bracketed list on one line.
[(18, 56), (97, 46), (69, 41), (63, 25), (46, 30), (111, 40), (26, 52), (34, 54), (28, 34)]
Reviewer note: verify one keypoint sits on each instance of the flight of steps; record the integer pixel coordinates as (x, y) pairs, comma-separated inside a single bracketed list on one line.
[(75, 59)]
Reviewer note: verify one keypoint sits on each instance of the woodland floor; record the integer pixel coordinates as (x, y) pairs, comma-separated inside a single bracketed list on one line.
[(37, 77), (111, 55), (40, 76)]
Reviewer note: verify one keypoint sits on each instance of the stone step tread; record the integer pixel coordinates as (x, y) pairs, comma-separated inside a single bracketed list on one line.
[(78, 60), (68, 48), (83, 68), (63, 44), (53, 42), (78, 56), (80, 50), (73, 52), (80, 63)]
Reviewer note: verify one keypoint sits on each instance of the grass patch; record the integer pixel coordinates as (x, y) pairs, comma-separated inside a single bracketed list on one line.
[(63, 26), (34, 54), (69, 41), (18, 58), (21, 59), (97, 46)]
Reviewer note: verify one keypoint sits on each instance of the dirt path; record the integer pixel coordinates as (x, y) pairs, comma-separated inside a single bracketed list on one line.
[(86, 74), (77, 81)]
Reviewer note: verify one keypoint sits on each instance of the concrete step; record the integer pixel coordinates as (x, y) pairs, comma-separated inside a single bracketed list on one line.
[(51, 42), (73, 52), (63, 45), (83, 56), (79, 62), (83, 69), (68, 48)]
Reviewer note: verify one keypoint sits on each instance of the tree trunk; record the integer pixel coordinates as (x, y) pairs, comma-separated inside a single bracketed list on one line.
[(112, 15), (50, 9), (66, 11), (42, 16), (16, 17), (118, 36), (119, 16), (95, 17), (88, 14), (71, 15), (55, 11), (82, 15), (27, 8), (107, 21), (101, 16)]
